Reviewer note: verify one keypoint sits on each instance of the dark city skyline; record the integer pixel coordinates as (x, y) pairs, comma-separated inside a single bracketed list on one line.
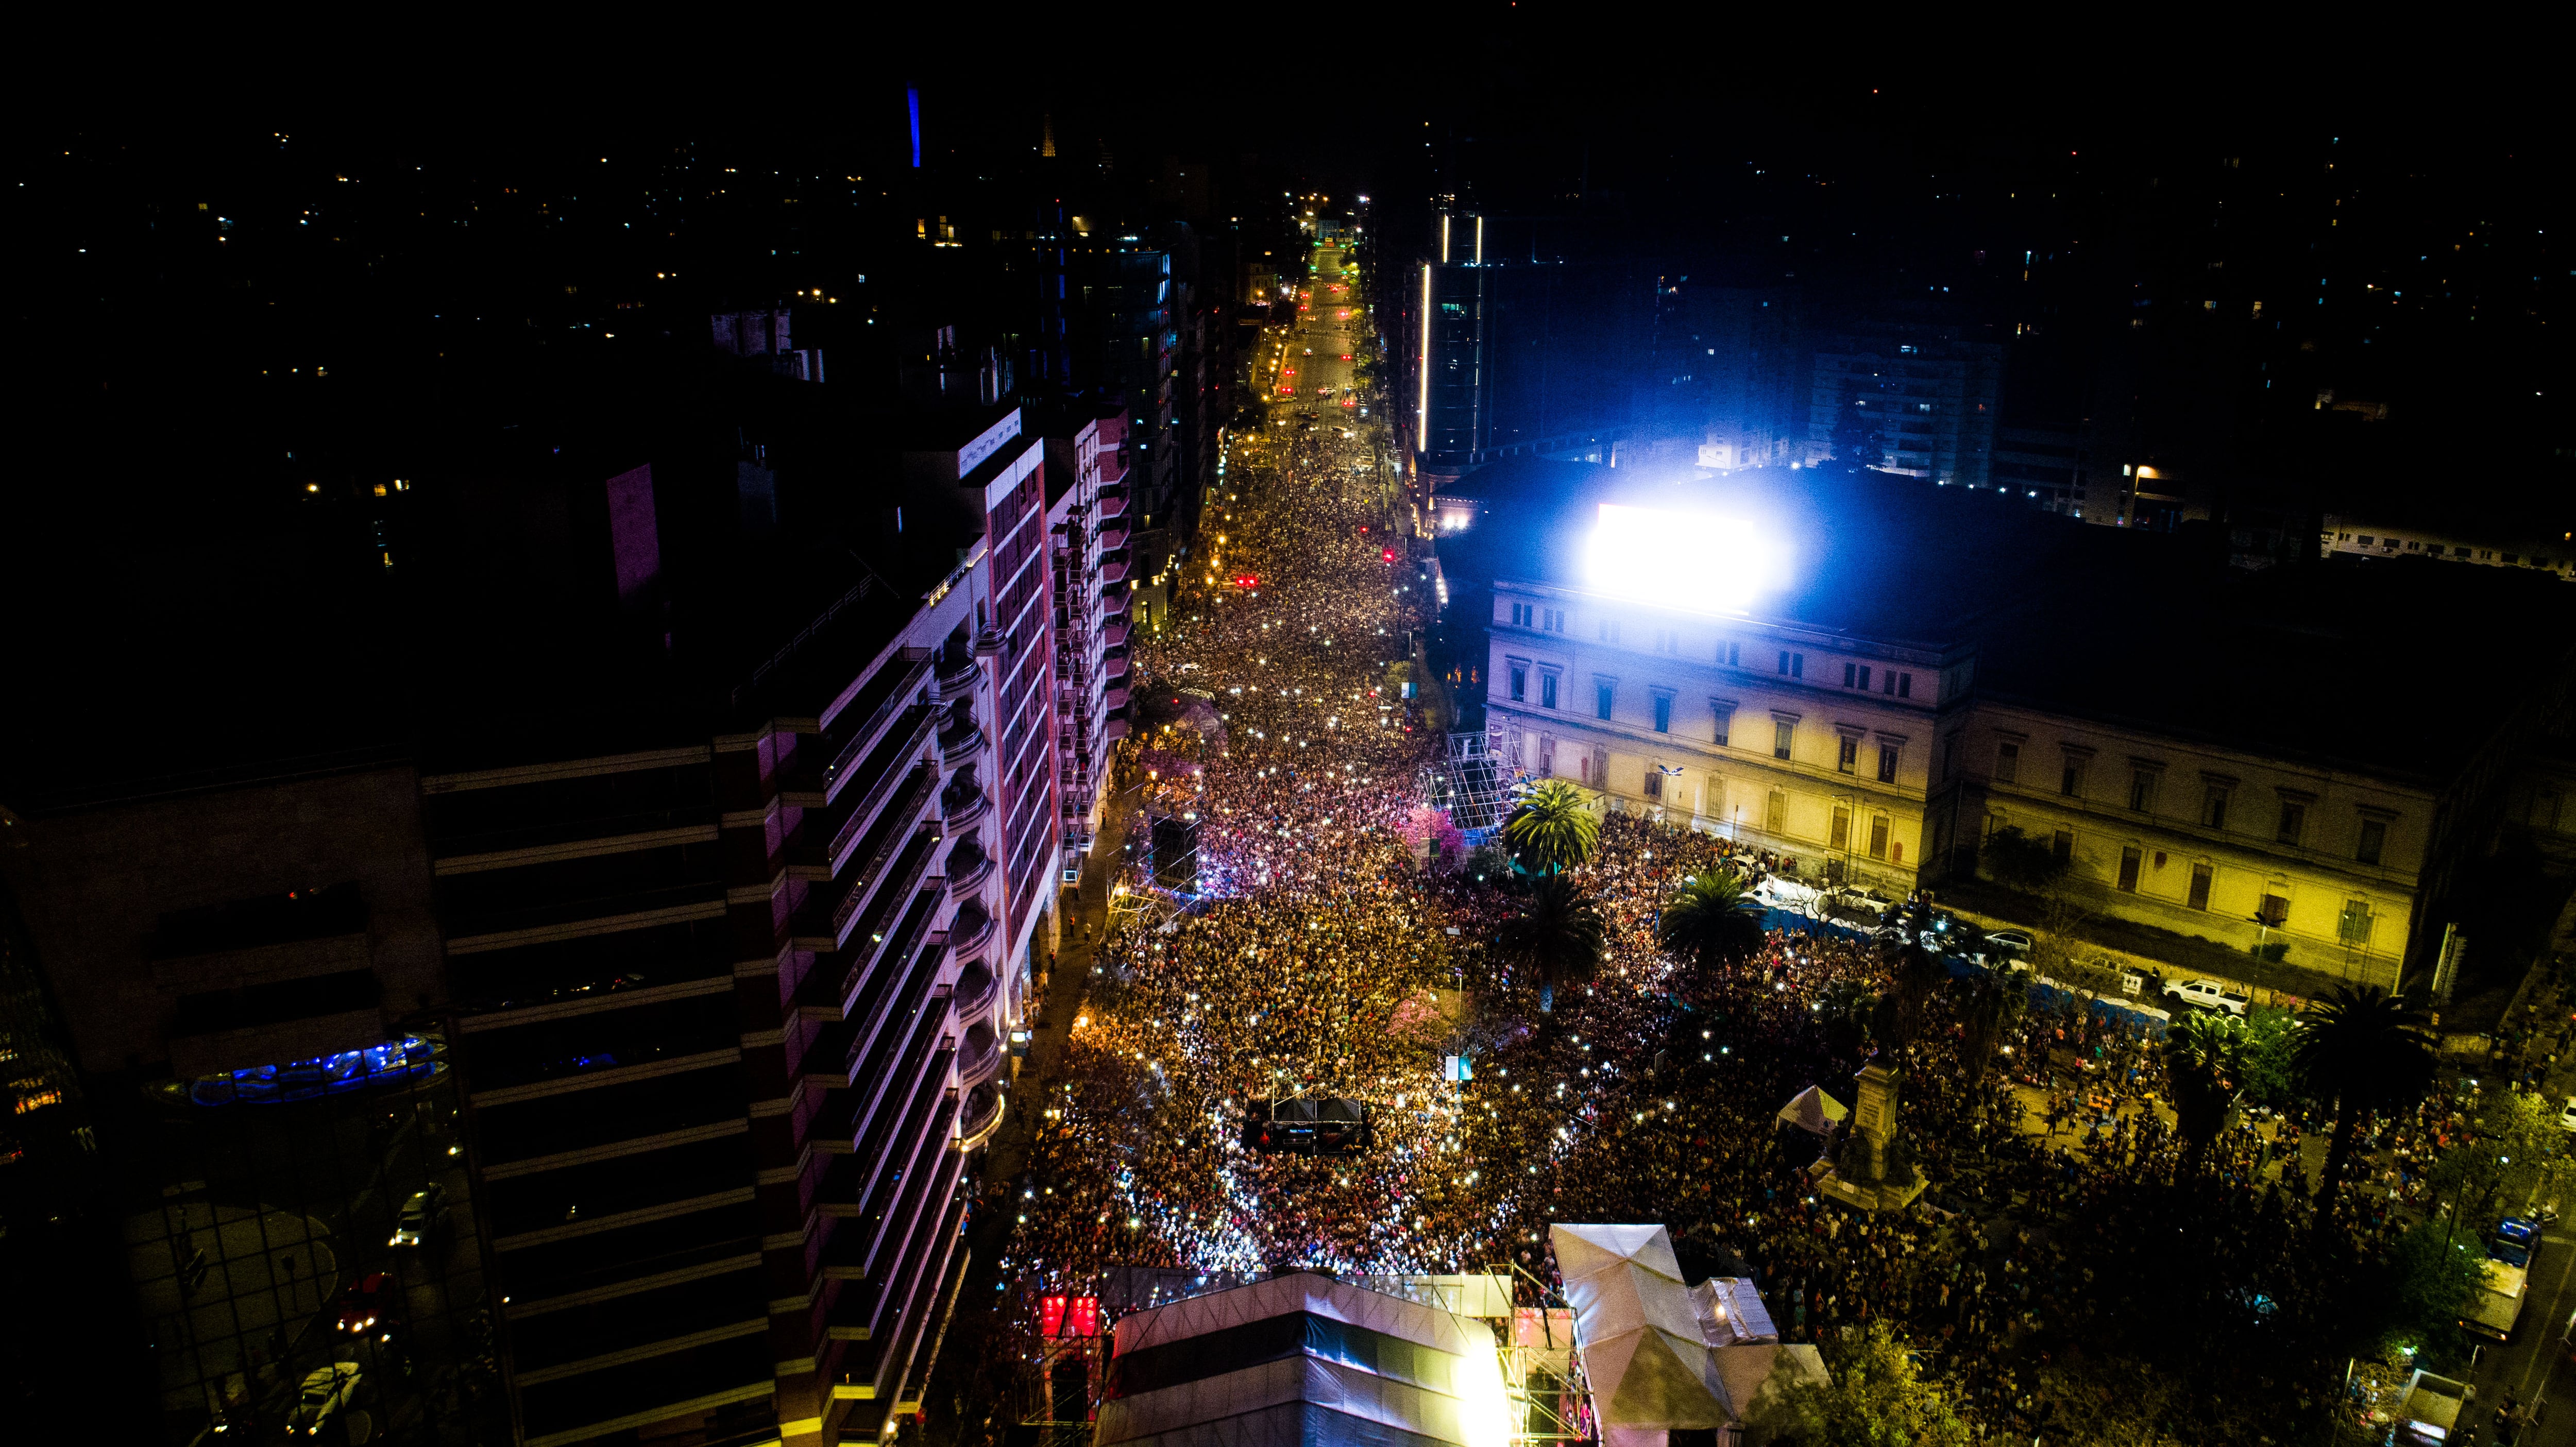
[(1155, 730)]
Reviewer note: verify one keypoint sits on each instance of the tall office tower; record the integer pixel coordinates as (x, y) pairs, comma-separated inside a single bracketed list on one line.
[(1449, 347), (1907, 398), (1087, 521)]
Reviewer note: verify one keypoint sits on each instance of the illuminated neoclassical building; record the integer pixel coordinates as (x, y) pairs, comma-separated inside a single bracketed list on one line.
[(1871, 676)]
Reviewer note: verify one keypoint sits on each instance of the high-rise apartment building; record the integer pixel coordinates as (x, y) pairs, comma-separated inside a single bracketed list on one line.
[(1088, 525)]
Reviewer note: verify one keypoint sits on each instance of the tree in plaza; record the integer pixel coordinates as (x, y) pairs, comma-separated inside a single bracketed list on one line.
[(1554, 829), (1710, 921), (1558, 934), (2271, 1034), (2514, 1155), (1996, 1004), (1873, 1397), (2365, 1050), (2204, 1060)]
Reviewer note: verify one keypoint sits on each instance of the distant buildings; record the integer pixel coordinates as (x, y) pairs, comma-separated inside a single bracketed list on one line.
[(1917, 400)]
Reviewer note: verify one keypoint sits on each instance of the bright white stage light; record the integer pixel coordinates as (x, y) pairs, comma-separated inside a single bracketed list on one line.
[(1700, 562)]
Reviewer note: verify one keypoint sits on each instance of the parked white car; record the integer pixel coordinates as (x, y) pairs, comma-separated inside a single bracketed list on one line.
[(326, 1393), (2207, 995)]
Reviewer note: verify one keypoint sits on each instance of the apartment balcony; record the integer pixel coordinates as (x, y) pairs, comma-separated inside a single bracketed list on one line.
[(895, 849), (977, 989), (871, 726), (979, 1057), (1113, 575), (1115, 701), (1114, 636), (960, 808), (886, 815), (1114, 666), (874, 770), (960, 680), (981, 1117), (968, 867), (1113, 536), (1112, 504), (1113, 605), (972, 929), (959, 744)]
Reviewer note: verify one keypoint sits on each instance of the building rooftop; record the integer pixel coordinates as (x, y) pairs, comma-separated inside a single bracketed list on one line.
[(2149, 630)]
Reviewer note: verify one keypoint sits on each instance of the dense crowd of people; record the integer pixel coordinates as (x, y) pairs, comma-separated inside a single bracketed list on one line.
[(1313, 950)]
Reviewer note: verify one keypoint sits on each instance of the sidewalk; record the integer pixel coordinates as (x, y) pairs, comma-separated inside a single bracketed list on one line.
[(1086, 912)]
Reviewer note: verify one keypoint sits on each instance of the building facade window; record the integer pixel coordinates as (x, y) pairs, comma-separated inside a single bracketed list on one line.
[(2273, 911), (1847, 756), (1841, 838), (1521, 615), (1731, 654), (2294, 822), (2353, 927), (1780, 731), (2374, 840), (1520, 684), (1887, 763), (1775, 813), (2213, 808), (1725, 713), (2062, 844), (1654, 783), (2201, 874), (2142, 790), (1878, 836), (1552, 619), (1609, 631), (2129, 859), (1663, 713), (2007, 763), (1793, 665), (1547, 690), (2071, 781), (1601, 693)]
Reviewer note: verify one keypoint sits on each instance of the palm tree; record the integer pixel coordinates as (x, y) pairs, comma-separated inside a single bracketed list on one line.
[(1554, 827), (2365, 1050), (1710, 921), (1559, 935), (2204, 1059)]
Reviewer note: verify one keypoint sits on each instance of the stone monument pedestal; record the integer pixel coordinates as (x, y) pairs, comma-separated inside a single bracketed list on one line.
[(1862, 1179)]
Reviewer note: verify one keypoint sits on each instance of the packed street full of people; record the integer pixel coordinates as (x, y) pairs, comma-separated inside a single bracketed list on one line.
[(1317, 949)]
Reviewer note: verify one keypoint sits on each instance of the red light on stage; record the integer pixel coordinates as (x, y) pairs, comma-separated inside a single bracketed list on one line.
[(1389, 555), (1084, 1319), (1050, 1316)]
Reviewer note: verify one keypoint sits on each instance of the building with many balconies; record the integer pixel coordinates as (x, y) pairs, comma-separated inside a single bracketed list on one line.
[(1088, 527)]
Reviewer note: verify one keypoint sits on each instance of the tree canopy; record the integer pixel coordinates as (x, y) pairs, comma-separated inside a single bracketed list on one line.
[(1554, 829)]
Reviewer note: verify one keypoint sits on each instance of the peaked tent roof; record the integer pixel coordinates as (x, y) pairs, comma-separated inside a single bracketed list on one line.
[(1641, 1337), (1813, 1111)]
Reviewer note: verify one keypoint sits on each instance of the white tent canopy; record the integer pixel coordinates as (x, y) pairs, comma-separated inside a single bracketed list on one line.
[(1641, 1340), (1814, 1112)]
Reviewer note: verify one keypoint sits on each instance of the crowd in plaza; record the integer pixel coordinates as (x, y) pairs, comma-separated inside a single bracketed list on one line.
[(1316, 952)]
